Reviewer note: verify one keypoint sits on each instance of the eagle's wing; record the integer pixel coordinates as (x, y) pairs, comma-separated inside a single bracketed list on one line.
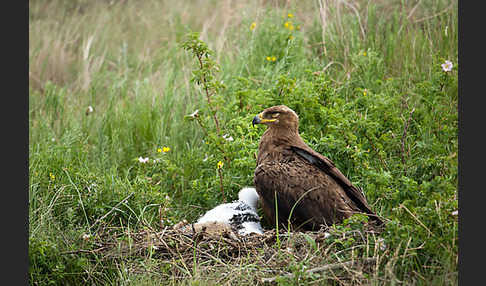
[(304, 193), (327, 166)]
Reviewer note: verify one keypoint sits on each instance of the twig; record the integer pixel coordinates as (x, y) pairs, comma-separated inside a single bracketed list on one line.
[(326, 268), (208, 96)]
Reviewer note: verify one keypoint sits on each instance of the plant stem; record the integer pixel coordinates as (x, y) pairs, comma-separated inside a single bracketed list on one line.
[(208, 96)]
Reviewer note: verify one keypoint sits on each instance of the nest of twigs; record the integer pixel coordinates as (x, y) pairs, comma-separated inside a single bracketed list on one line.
[(218, 250)]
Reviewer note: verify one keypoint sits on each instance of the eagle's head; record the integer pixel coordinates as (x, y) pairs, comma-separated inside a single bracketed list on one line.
[(279, 116)]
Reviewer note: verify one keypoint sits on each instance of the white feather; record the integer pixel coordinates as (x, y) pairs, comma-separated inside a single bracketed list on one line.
[(230, 213), (249, 196)]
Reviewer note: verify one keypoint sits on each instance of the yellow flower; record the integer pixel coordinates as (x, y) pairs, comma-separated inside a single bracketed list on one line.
[(290, 15), (289, 25), (274, 58), (159, 150), (165, 149), (364, 92), (269, 58), (51, 175), (253, 26), (220, 165), (364, 54)]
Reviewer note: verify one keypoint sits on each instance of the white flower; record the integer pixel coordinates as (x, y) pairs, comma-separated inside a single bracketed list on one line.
[(194, 114), (227, 137), (447, 66), (381, 243), (143, 160), (455, 212), (89, 110), (86, 236)]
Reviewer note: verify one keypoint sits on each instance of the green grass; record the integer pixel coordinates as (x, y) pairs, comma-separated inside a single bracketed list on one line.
[(366, 82)]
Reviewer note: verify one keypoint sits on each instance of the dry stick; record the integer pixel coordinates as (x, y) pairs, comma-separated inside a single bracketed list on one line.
[(191, 246), (159, 237), (325, 268)]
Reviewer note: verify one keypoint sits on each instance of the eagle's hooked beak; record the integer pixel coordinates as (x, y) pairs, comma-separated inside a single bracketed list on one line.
[(256, 120), (260, 120)]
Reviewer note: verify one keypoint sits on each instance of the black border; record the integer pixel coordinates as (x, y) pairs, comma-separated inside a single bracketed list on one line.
[(471, 143), (15, 141)]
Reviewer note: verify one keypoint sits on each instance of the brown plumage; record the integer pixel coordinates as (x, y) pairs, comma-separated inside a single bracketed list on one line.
[(289, 170)]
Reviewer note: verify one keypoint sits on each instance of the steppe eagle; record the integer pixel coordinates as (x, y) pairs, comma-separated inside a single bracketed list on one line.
[(307, 185)]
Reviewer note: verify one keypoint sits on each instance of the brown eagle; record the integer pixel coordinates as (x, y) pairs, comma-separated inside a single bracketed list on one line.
[(307, 186)]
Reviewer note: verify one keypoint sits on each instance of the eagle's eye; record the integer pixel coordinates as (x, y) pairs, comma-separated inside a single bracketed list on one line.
[(275, 115)]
